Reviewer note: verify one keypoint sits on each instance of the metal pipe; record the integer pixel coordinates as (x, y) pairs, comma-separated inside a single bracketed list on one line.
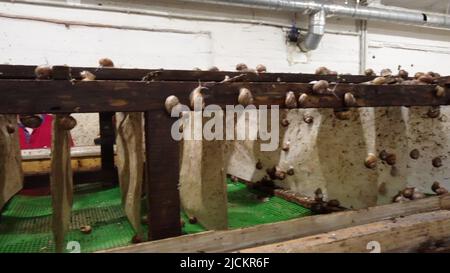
[(417, 18), (316, 30)]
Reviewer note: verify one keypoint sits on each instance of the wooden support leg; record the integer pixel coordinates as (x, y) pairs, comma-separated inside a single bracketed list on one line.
[(162, 166), (11, 178), (61, 183), (107, 143)]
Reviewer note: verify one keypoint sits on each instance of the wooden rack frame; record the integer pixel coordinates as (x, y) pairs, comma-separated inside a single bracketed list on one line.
[(140, 90)]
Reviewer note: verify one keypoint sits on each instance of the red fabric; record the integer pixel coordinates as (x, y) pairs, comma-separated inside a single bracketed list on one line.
[(41, 137)]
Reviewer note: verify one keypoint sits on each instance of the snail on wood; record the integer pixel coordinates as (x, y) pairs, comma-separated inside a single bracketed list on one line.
[(245, 97), (290, 101), (105, 62), (43, 72)]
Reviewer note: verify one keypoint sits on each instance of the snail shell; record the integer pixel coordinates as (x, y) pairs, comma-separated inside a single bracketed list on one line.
[(418, 75), (245, 97), (259, 165), (403, 74), (170, 103), (10, 128), (318, 195), (440, 91), (260, 68), (308, 119), (241, 67), (67, 122), (391, 159), (31, 121), (433, 112), (408, 192), (302, 99), (436, 162), (369, 72), (426, 79), (290, 101), (379, 81), (435, 186), (43, 72), (286, 146), (196, 98), (213, 68), (105, 62), (371, 161), (279, 173), (87, 76), (349, 99), (290, 171), (320, 87), (322, 71), (386, 72), (285, 122), (414, 154)]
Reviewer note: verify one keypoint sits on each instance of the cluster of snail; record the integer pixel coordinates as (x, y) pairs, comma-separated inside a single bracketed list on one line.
[(320, 206), (387, 77), (241, 67), (412, 193), (278, 173)]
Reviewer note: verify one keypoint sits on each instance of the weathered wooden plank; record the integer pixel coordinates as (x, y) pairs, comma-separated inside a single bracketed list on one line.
[(162, 167), (61, 183), (127, 74), (11, 177), (29, 96), (222, 241), (395, 235)]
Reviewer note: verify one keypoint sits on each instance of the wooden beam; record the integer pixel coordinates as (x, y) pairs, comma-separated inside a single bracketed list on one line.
[(46, 96), (222, 241), (127, 74), (405, 234), (162, 176)]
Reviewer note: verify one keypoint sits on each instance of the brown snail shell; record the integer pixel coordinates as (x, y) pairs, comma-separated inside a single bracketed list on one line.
[(440, 91), (170, 103), (290, 101), (285, 122), (43, 72), (30, 121), (386, 72), (418, 75), (414, 154), (320, 87), (434, 112), (418, 195), (67, 122), (369, 72), (241, 67), (383, 155), (308, 119), (290, 171), (371, 161), (435, 186), (322, 71), (403, 74), (379, 81), (286, 146), (196, 98), (391, 159), (213, 69), (349, 99), (400, 198), (245, 97), (426, 79), (259, 165), (279, 173), (105, 62), (408, 192), (302, 99), (192, 219), (260, 68), (87, 76), (86, 229), (437, 162), (11, 129)]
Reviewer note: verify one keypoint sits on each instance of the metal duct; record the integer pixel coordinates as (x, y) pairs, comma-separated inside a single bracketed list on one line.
[(316, 30), (417, 18)]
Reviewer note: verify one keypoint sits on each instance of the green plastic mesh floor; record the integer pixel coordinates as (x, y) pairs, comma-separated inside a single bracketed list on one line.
[(25, 225)]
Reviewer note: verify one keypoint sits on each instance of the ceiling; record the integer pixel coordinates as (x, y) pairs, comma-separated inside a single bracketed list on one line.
[(441, 6)]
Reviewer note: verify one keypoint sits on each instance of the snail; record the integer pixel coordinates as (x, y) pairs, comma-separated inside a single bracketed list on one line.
[(286, 146), (349, 99), (192, 219), (414, 154), (408, 192), (302, 99), (426, 79), (279, 173), (10, 128), (435, 186), (260, 68), (170, 103), (290, 101), (241, 67), (386, 72), (322, 71), (318, 195), (370, 161), (383, 155), (245, 97), (30, 121), (400, 198), (403, 74), (213, 68), (87, 76), (196, 98), (369, 72), (440, 91), (86, 229), (259, 165), (391, 159), (418, 75), (441, 191), (308, 119), (436, 162), (379, 81), (321, 87), (285, 122), (433, 112), (67, 122), (43, 72), (290, 171), (105, 62)]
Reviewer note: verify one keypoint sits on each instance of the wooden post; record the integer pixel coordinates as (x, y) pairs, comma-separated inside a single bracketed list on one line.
[(162, 177), (107, 144)]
